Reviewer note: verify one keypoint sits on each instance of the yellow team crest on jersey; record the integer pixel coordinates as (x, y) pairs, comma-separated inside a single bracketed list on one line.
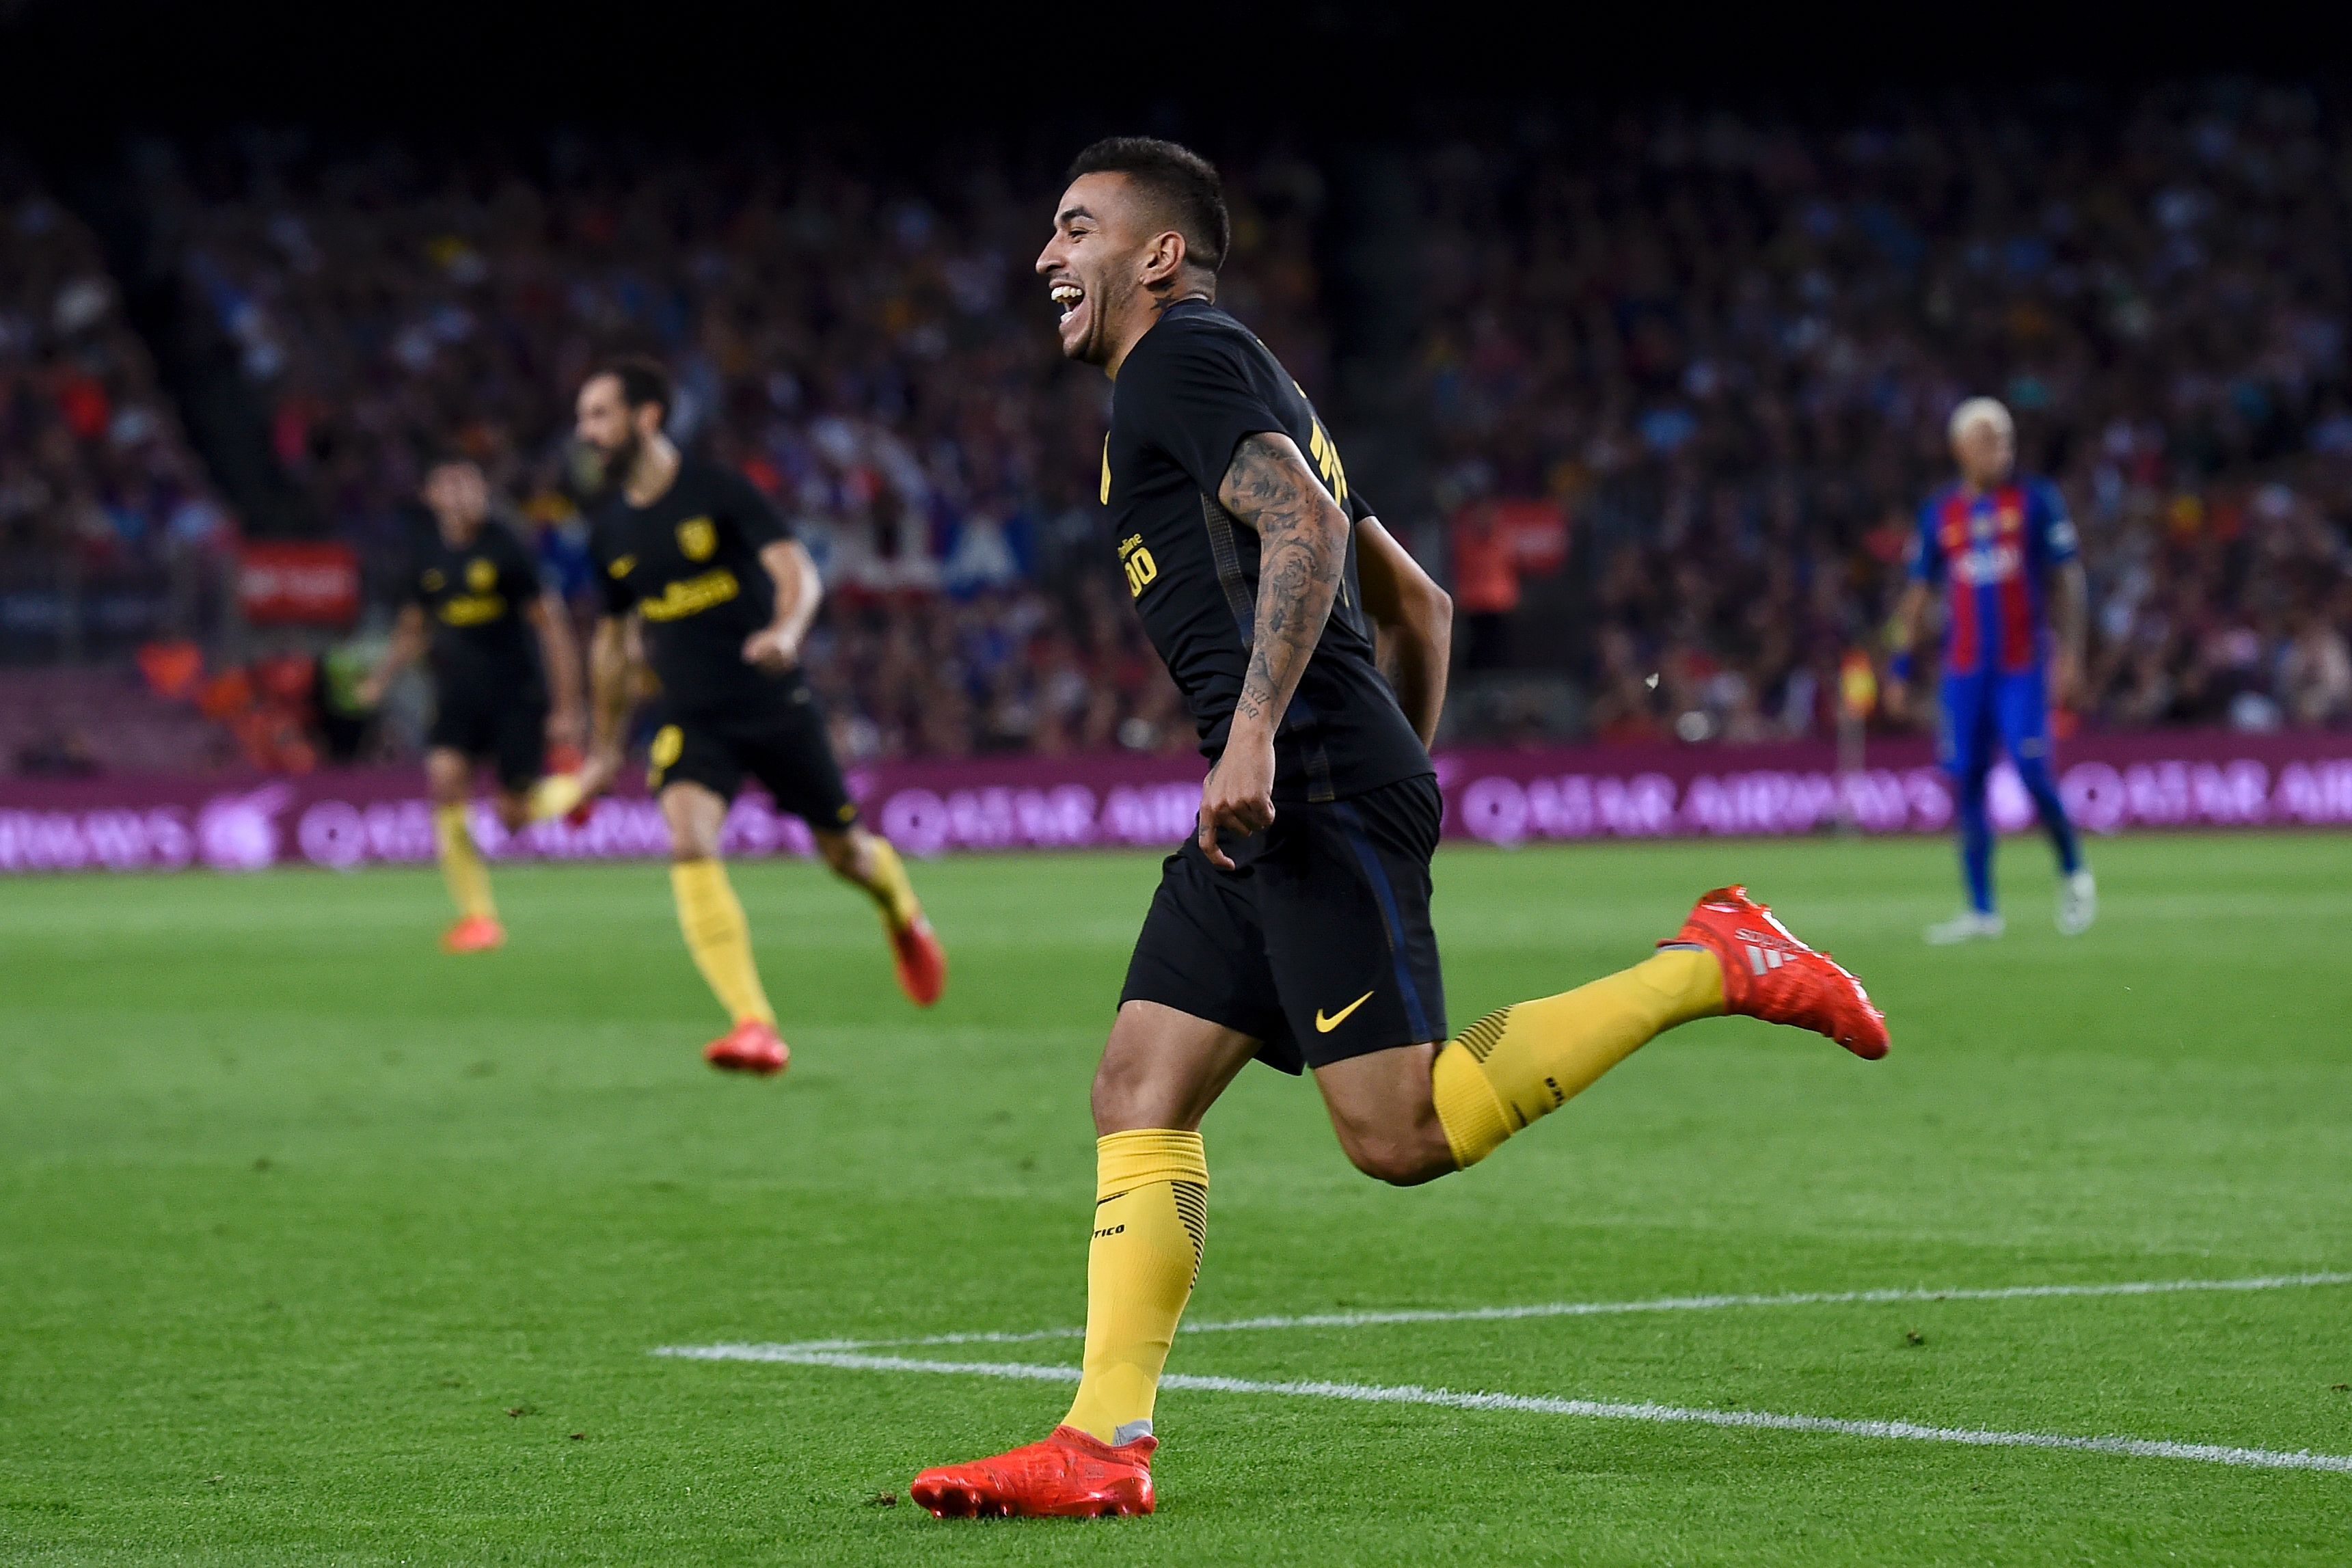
[(481, 577), (696, 538), (624, 566)]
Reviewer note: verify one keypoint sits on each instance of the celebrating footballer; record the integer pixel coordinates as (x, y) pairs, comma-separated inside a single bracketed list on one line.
[(1295, 928)]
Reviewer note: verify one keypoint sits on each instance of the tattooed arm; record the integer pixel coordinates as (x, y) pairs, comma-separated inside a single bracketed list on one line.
[(1302, 540)]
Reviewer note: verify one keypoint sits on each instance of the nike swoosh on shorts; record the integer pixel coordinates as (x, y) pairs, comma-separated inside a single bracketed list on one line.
[(1324, 1026)]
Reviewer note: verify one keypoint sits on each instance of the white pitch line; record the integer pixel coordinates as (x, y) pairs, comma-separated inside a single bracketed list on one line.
[(1606, 1410), (1607, 1309)]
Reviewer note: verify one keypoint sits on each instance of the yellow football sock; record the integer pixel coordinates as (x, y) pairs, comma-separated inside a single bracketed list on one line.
[(889, 889), (719, 938), (553, 797), (1513, 1066), (461, 863), (1151, 1216)]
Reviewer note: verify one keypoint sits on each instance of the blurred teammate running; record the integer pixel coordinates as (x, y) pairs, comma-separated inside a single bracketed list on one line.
[(725, 595), (1295, 928), (1998, 546), (506, 683)]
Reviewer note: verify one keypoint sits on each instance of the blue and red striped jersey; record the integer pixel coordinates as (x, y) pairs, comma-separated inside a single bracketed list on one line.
[(1993, 554)]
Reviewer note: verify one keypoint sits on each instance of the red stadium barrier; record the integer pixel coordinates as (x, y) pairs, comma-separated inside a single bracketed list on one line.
[(349, 819)]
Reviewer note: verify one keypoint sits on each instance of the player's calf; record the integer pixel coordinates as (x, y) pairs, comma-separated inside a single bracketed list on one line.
[(869, 860)]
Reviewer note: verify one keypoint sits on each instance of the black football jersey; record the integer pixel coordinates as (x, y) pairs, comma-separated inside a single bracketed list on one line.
[(689, 565), (1187, 395), (474, 598)]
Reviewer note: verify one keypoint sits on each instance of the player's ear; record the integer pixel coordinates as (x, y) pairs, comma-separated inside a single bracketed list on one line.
[(1163, 258)]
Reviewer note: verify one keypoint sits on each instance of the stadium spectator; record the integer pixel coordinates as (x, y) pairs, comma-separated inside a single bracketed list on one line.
[(1731, 346), (861, 351), (96, 475), (1721, 349)]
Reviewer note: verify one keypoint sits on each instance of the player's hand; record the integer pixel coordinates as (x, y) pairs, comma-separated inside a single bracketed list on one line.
[(564, 728), (1238, 797), (1895, 696), (771, 649), (370, 691)]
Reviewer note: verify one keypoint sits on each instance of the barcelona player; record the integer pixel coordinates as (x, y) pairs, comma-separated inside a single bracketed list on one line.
[(1294, 926), (506, 683), (2004, 555), (724, 593)]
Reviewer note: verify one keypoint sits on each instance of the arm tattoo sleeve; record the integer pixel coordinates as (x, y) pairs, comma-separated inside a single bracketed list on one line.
[(1302, 549)]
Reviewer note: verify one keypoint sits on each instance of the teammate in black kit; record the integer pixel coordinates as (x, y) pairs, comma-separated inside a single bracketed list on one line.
[(1295, 927), (725, 595), (499, 642)]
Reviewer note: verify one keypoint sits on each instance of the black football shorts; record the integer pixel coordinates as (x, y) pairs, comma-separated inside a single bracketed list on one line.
[(506, 726), (1319, 946), (782, 744)]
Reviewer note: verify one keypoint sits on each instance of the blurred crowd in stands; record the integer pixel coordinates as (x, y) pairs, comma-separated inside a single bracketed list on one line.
[(95, 467), (1726, 354), (1682, 382), (879, 361)]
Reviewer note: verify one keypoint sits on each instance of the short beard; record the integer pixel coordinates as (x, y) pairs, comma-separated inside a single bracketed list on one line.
[(620, 462)]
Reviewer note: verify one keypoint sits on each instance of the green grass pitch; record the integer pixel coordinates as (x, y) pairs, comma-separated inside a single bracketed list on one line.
[(316, 1246)]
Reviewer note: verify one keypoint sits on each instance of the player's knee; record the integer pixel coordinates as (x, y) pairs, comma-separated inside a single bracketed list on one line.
[(841, 853), (444, 779), (690, 841), (1120, 1096), (1404, 1155), (1400, 1161)]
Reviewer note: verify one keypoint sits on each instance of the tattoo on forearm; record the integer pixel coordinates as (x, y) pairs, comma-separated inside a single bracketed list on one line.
[(1301, 553)]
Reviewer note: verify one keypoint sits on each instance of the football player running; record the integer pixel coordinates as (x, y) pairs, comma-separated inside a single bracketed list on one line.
[(1293, 929), (506, 684), (725, 595)]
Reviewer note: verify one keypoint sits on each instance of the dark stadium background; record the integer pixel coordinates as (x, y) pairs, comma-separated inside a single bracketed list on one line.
[(1363, 96)]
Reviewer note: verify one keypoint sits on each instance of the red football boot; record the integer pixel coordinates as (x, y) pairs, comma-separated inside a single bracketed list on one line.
[(749, 1047), (474, 933), (1070, 1475), (921, 962), (1768, 973)]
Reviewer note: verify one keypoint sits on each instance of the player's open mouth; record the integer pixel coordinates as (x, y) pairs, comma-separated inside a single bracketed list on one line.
[(1068, 295)]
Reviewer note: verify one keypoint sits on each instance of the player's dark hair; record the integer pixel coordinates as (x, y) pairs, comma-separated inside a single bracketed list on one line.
[(643, 381), (1184, 183)]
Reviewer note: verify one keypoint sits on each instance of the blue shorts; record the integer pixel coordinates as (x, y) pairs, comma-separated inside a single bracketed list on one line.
[(1994, 711)]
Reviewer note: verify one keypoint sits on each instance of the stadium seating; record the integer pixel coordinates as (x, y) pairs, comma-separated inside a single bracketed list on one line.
[(103, 507), (1726, 350), (1681, 383), (874, 356)]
